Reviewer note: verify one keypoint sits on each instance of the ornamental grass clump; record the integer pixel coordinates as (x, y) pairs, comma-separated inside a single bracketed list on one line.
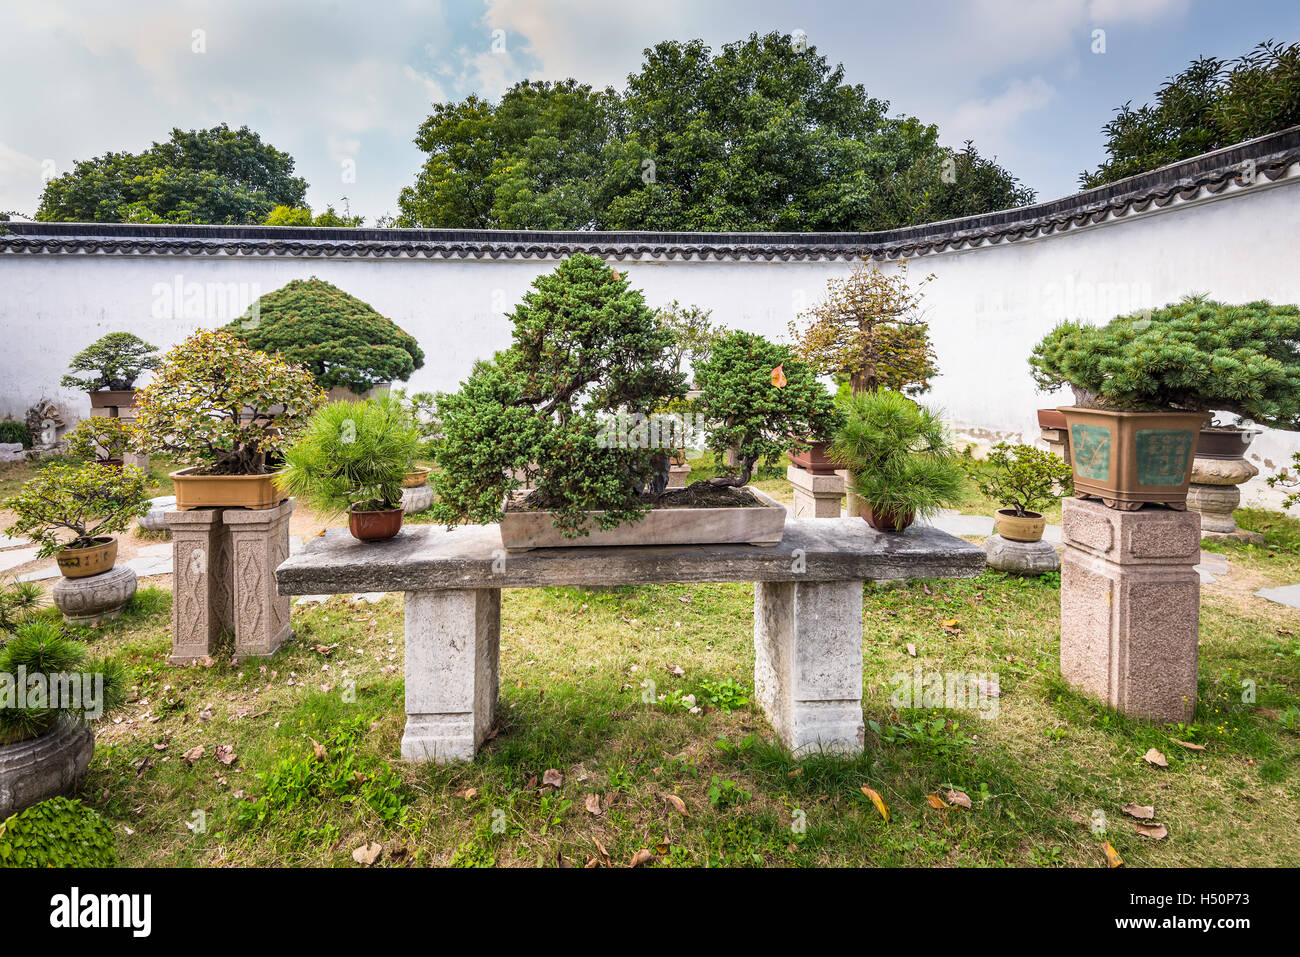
[(1196, 355), (69, 506)]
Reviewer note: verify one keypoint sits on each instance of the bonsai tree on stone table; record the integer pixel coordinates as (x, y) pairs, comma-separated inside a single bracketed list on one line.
[(900, 459), (422, 408), (100, 439), (229, 410), (566, 412), (111, 364), (352, 457), (1024, 480), (346, 343), (1145, 384), (756, 395)]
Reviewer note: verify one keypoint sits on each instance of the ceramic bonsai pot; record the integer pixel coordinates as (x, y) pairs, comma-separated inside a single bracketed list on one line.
[(1051, 419), (1130, 459), (885, 520), (814, 459), (112, 463), (39, 768), (1019, 528), (112, 398), (91, 560), (194, 490), (762, 524), (416, 477), (1224, 443), (375, 526)]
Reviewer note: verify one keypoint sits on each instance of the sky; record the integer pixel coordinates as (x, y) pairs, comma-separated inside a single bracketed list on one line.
[(343, 85)]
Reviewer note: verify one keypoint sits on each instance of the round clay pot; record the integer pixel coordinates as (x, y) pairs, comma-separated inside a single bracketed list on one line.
[(91, 560), (1224, 443), (43, 767), (375, 526), (1019, 528), (418, 476), (886, 520)]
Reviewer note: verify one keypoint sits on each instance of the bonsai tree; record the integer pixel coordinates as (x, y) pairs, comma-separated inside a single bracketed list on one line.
[(899, 456), (68, 506), (757, 396), (342, 340), (869, 328), (1024, 478), (39, 648), (423, 408), (218, 403), (19, 601), (114, 362), (100, 437), (585, 345), (693, 333), (1196, 355), (352, 456)]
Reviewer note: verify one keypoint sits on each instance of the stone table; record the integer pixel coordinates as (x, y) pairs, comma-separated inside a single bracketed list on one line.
[(807, 613)]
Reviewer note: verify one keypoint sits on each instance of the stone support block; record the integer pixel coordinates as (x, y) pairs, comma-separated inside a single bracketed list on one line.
[(417, 499), (1021, 558), (453, 639), (815, 496), (808, 663), (1130, 607), (259, 542), (1214, 493), (96, 598), (679, 476), (202, 597)]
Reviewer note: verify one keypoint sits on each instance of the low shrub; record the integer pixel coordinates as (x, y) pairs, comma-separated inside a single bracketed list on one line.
[(60, 832)]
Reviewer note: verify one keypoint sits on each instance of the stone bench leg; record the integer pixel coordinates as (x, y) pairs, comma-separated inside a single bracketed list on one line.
[(808, 663), (453, 639)]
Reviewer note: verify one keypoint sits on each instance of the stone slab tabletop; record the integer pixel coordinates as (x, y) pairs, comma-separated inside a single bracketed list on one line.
[(427, 557)]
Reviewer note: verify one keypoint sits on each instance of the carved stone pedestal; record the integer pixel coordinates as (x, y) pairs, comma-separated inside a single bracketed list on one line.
[(1020, 558), (417, 499), (224, 562), (815, 496), (679, 476), (1130, 607), (1058, 441), (1214, 493), (96, 598)]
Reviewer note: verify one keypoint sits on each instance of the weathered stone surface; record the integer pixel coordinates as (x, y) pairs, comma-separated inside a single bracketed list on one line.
[(1288, 595), (11, 452), (97, 598), (452, 651), (1130, 607), (815, 496), (44, 767), (679, 476), (1222, 471), (808, 663), (1020, 558), (259, 542), (1214, 494), (424, 557), (202, 596), (417, 499), (155, 520)]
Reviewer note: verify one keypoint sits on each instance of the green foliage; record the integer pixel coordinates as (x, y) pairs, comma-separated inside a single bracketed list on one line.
[(216, 401), (57, 833), (302, 216), (899, 455), (726, 695), (81, 501), (761, 135), (352, 455), (1196, 354), (116, 361), (200, 176), (19, 601), (726, 794), (1288, 479), (693, 333), (99, 437), (1212, 104), (38, 647), (423, 408), (342, 340), (760, 400), (1022, 477), (11, 431), (585, 346)]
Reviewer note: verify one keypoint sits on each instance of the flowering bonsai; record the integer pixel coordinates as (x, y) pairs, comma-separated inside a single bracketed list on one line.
[(216, 403), (113, 362), (73, 506), (585, 346), (100, 437)]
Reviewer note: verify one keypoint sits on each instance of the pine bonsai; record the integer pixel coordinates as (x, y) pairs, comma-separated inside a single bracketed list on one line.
[(1196, 355), (1023, 477), (585, 346), (759, 400), (115, 362), (342, 340)]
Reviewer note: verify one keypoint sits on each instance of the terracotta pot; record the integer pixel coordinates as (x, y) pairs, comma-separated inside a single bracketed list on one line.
[(375, 526), (112, 399), (416, 477), (1019, 528), (91, 560), (1051, 419), (1224, 443), (814, 459), (885, 520), (225, 491), (1129, 459), (111, 463)]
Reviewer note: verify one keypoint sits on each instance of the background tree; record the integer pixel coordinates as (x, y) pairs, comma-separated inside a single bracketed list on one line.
[(114, 361), (1211, 104), (342, 340), (218, 175), (302, 216), (869, 328)]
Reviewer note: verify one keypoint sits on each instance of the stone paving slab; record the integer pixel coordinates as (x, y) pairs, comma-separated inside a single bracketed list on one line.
[(1288, 595), (15, 557), (7, 542)]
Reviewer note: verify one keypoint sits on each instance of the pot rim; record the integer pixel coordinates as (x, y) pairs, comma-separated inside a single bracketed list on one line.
[(1088, 410), (1010, 512), (188, 473), (374, 511), (101, 541)]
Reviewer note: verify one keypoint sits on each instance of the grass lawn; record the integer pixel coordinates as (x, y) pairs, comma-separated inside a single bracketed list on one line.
[(314, 736)]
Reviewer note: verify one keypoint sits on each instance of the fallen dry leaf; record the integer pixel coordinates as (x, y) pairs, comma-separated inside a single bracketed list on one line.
[(193, 754), (1157, 832), (1155, 757), (1189, 745), (226, 754), (592, 862), (1143, 812), (593, 803), (552, 778), (911, 649), (676, 670), (642, 856), (467, 793), (678, 803), (951, 625), (318, 749), (878, 801), (367, 854), (1112, 857), (958, 798), (601, 847), (936, 801)]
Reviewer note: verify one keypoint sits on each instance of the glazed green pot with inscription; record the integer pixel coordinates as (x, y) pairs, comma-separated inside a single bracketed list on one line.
[(1131, 459)]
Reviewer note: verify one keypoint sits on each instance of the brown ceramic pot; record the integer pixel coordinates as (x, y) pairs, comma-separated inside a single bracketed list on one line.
[(375, 526), (1224, 443), (112, 399), (1130, 459), (91, 560), (1051, 419), (418, 476), (225, 491), (1019, 528), (814, 459), (885, 520)]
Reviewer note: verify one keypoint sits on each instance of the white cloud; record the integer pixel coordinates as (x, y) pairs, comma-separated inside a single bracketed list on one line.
[(992, 118)]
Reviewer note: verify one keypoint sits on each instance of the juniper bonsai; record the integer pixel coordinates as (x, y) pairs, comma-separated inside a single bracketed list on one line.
[(585, 346), (115, 362), (342, 340), (1197, 355)]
